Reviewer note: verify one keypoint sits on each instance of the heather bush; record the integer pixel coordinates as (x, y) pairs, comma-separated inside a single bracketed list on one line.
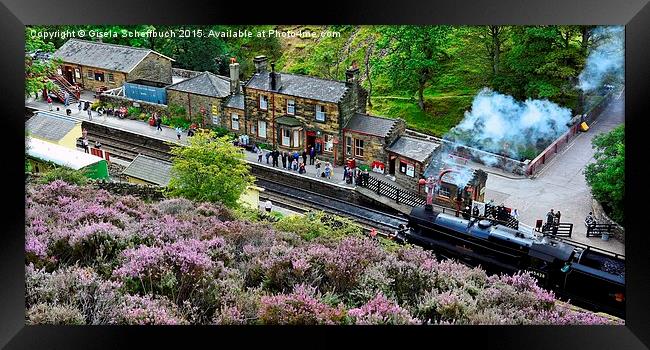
[(54, 315), (96, 258), (301, 307)]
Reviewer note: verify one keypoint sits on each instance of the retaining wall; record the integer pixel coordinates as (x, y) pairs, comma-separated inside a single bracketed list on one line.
[(601, 217)]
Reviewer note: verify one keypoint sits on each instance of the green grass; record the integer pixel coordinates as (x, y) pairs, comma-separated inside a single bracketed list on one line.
[(442, 112)]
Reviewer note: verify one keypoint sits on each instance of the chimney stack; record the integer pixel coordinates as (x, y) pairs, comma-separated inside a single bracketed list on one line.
[(260, 64), (234, 76), (353, 83), (274, 79)]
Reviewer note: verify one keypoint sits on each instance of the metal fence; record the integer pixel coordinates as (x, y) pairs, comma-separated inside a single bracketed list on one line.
[(597, 230), (400, 196)]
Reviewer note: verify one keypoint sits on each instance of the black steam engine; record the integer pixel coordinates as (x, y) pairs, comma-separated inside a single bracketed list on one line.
[(588, 277)]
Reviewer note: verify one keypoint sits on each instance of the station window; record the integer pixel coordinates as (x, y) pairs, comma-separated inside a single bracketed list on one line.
[(320, 113), (296, 138), (264, 102), (111, 78), (235, 121), (77, 74), (329, 143), (99, 76), (358, 148), (291, 107), (286, 137), (90, 75), (348, 146), (261, 128)]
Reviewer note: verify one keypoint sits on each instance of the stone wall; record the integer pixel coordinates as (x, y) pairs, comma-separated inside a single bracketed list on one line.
[(153, 193), (193, 103), (153, 68), (374, 148), (601, 217), (226, 120), (408, 182), (145, 107)]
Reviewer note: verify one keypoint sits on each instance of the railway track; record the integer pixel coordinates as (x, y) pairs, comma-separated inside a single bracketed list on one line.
[(302, 201)]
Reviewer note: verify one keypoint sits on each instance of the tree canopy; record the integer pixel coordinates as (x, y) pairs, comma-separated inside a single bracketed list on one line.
[(607, 175), (209, 169)]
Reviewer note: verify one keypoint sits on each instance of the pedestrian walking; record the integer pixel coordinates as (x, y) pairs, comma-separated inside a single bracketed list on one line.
[(260, 153), (178, 132), (312, 155), (49, 102), (66, 98), (158, 123), (304, 156)]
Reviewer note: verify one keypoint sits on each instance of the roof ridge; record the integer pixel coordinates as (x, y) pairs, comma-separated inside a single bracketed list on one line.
[(110, 44)]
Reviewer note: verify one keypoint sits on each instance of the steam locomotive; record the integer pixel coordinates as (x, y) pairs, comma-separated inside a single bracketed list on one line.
[(588, 277)]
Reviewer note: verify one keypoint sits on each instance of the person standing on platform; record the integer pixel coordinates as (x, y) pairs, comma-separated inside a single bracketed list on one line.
[(49, 102), (178, 132), (317, 166), (158, 123), (312, 155), (66, 99), (260, 153), (84, 142), (557, 218), (90, 113), (275, 154), (304, 156), (284, 159)]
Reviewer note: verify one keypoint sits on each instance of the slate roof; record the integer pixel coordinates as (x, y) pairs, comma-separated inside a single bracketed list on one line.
[(206, 84), (50, 126), (60, 155), (149, 169), (370, 124), (301, 86), (236, 101), (112, 57), (289, 121), (413, 148)]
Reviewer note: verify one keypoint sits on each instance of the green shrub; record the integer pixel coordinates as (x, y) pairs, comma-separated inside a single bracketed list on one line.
[(133, 111), (74, 177)]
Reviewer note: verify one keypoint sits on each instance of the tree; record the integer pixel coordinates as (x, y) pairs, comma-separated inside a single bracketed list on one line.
[(37, 71), (606, 176), (414, 54), (209, 169)]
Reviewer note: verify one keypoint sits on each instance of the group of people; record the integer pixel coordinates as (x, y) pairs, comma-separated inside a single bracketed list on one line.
[(85, 144), (553, 219), (291, 160)]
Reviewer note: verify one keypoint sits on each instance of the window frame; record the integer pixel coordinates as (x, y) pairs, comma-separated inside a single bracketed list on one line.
[(294, 107), (90, 74), (266, 102), (110, 77), (259, 128), (323, 113), (357, 147), (349, 144), (233, 121), (288, 138)]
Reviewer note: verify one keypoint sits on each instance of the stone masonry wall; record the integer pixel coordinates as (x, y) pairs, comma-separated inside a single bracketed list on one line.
[(153, 193), (193, 103), (153, 68), (145, 107), (91, 84), (601, 217)]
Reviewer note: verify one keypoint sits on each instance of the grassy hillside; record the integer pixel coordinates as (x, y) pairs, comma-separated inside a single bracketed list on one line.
[(445, 101)]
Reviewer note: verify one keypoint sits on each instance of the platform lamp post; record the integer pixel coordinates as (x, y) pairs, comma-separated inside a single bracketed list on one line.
[(430, 184)]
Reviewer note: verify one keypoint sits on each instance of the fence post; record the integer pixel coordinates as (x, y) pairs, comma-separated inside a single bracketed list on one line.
[(379, 187), (397, 198)]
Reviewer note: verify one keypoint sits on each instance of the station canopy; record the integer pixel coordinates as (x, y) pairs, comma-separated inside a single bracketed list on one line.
[(59, 155)]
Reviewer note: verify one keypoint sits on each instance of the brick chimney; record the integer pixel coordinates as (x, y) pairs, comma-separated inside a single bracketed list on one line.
[(260, 64), (234, 76), (275, 81), (353, 83)]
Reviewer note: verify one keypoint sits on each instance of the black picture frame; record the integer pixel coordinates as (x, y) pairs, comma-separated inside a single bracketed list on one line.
[(15, 14)]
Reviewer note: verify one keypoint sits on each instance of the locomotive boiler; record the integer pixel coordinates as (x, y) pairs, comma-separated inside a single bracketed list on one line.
[(586, 276)]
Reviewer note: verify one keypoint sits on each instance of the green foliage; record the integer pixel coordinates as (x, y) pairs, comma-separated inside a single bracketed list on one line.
[(37, 71), (70, 176), (133, 111), (607, 175), (220, 131), (318, 225), (209, 169)]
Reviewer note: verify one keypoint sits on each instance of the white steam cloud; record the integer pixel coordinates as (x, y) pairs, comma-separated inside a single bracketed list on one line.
[(500, 124), (606, 61)]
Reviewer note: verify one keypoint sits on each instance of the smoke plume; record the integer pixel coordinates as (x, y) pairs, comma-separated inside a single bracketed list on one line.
[(606, 61)]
